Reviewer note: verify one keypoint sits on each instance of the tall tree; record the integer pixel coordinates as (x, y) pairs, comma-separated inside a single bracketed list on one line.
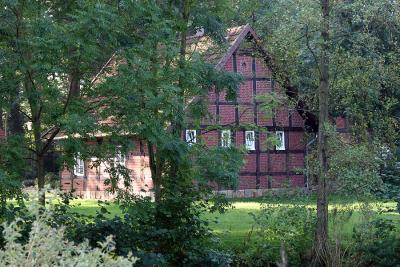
[(51, 52), (339, 50), (322, 249), (168, 80)]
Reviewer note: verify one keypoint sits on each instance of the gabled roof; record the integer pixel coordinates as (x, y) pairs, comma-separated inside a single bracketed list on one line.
[(213, 51), (203, 44), (235, 37)]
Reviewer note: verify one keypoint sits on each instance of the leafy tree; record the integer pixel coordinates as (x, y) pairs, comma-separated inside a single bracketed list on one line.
[(163, 85), (359, 48), (61, 47), (50, 52), (158, 86)]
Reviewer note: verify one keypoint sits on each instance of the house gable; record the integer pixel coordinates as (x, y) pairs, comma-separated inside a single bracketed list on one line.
[(266, 166)]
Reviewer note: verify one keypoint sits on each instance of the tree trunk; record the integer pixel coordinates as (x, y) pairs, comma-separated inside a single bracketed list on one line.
[(41, 179), (155, 169), (15, 120), (1, 119), (322, 203), (39, 160), (177, 125)]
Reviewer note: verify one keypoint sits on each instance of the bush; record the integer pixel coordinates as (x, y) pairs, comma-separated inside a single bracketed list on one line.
[(46, 246), (168, 233), (376, 243), (279, 226), (353, 168)]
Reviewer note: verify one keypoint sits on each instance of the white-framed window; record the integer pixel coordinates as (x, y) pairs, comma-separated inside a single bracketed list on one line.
[(79, 167), (226, 138), (280, 135), (191, 136), (119, 158), (250, 140)]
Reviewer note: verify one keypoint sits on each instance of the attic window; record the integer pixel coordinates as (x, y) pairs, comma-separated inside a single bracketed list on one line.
[(243, 65)]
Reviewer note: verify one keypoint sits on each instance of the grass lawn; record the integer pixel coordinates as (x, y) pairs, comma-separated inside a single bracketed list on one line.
[(234, 225)]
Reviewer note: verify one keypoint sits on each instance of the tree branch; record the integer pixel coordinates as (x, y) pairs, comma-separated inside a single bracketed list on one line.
[(311, 50), (311, 120)]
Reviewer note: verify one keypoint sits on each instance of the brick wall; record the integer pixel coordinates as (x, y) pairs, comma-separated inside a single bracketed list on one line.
[(271, 164), (136, 161), (250, 165), (247, 182)]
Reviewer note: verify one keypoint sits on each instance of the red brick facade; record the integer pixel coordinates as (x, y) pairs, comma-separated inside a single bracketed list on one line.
[(264, 168), (93, 179)]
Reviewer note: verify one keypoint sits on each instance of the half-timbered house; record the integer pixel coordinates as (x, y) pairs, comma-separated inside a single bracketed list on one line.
[(266, 167)]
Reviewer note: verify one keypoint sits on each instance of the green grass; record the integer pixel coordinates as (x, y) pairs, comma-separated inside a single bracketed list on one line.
[(89, 207), (233, 226)]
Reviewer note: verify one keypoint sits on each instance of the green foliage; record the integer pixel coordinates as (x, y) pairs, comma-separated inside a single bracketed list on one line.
[(217, 164), (47, 246), (12, 170), (12, 213), (353, 168), (390, 174), (168, 233), (376, 243), (278, 226)]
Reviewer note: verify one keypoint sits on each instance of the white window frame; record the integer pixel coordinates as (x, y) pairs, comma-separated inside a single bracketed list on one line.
[(281, 137), (250, 144), (189, 140), (79, 162), (226, 141), (119, 158)]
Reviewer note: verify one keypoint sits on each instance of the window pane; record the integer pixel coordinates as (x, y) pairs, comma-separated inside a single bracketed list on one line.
[(191, 136), (250, 140), (119, 159), (281, 139), (226, 138), (79, 168)]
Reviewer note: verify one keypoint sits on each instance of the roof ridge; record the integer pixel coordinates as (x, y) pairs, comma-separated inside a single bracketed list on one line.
[(243, 33)]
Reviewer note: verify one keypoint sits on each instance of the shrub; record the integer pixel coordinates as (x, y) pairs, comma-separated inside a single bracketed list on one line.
[(46, 246), (168, 233), (376, 243), (353, 168), (279, 226)]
